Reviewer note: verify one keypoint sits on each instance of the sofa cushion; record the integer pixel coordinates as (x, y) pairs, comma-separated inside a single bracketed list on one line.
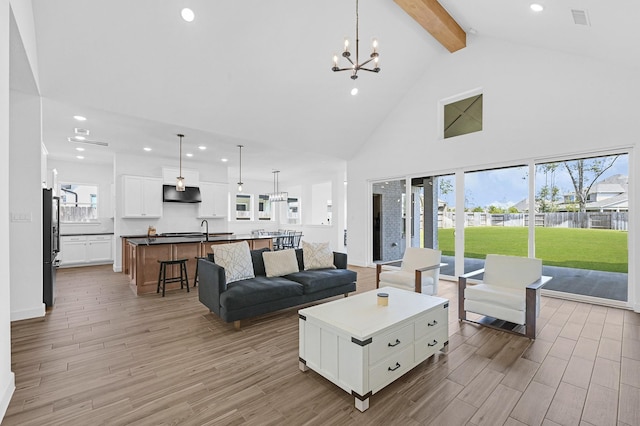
[(279, 263), (235, 258), (317, 256), (258, 290), (258, 262), (321, 279), (501, 296)]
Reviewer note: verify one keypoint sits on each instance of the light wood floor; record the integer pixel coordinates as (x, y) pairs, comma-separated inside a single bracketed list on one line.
[(105, 356)]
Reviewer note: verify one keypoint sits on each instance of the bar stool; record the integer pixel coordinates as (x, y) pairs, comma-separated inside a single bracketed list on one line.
[(195, 278), (162, 276)]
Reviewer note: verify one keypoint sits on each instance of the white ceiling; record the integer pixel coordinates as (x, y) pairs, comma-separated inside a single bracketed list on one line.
[(258, 72)]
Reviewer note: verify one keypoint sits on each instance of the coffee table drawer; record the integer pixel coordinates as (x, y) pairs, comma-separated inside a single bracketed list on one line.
[(431, 344), (431, 321), (388, 370), (390, 343)]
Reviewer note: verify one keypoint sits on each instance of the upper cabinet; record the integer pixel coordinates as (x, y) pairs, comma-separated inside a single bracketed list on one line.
[(142, 197), (214, 200)]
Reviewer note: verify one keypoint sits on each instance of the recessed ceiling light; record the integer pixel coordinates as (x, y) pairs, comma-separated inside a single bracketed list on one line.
[(189, 154), (187, 14), (202, 147), (80, 157), (354, 91), (224, 160), (79, 149), (80, 118), (146, 148), (80, 138), (536, 7)]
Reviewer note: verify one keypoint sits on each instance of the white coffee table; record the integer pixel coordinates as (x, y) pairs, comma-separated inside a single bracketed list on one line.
[(363, 347)]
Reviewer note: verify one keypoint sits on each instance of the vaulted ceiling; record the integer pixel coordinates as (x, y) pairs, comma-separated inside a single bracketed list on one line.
[(259, 72)]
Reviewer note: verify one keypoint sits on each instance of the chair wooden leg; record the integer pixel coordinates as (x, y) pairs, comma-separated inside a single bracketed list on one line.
[(462, 284), (418, 282), (236, 325), (378, 269)]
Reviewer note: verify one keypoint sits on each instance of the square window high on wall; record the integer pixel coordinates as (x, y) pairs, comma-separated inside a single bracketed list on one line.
[(461, 114)]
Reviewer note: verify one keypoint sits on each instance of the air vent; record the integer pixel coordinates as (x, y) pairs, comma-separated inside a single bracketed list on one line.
[(80, 131), (580, 17), (87, 141)]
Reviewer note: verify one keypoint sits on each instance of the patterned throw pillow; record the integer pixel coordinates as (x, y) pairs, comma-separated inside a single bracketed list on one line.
[(235, 258), (279, 263), (317, 256)]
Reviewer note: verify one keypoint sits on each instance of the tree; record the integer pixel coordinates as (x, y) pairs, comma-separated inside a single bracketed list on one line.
[(495, 210), (549, 195), (585, 173)]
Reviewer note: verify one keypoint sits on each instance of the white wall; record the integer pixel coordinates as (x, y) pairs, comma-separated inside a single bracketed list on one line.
[(7, 382), (25, 187), (538, 104), (25, 199)]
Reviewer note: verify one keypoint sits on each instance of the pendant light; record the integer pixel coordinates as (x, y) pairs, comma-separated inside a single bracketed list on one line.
[(240, 178), (180, 179), (277, 195)]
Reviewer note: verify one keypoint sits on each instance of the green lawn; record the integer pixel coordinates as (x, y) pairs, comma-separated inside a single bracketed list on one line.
[(595, 249)]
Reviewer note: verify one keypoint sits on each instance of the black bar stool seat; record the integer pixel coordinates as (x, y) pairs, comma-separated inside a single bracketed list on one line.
[(182, 278)]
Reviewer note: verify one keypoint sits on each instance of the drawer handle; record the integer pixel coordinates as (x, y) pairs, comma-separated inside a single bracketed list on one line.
[(394, 344), (435, 342), (394, 368), (431, 324)]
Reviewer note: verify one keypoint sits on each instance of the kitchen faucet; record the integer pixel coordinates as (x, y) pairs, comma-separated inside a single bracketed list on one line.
[(206, 235)]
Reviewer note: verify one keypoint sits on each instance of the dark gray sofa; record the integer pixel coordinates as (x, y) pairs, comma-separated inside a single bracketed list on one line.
[(260, 295)]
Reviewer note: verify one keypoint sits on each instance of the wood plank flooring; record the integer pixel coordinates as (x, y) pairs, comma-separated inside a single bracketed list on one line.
[(106, 356)]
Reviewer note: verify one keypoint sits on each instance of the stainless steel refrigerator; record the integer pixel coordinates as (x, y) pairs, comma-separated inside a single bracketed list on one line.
[(50, 244)]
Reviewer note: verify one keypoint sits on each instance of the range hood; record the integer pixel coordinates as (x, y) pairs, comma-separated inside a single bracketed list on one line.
[(191, 194)]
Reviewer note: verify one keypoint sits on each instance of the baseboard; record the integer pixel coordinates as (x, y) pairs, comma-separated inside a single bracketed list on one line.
[(28, 313), (585, 299), (7, 393), (117, 268)]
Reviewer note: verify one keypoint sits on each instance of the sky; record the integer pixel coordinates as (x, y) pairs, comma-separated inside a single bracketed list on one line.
[(506, 187)]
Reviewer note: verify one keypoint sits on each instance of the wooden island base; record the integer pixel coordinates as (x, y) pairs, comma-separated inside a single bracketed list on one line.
[(143, 267)]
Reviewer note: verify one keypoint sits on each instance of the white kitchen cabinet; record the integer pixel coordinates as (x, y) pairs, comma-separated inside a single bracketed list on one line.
[(72, 250), (99, 248), (79, 250), (214, 200), (141, 197)]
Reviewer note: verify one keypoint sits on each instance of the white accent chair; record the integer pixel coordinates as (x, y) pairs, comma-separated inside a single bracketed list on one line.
[(509, 291), (419, 271)]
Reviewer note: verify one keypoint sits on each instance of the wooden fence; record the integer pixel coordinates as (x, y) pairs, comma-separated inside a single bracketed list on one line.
[(618, 221)]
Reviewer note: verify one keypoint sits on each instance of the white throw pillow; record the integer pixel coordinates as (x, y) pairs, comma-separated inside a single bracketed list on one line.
[(279, 263), (317, 256), (235, 258)]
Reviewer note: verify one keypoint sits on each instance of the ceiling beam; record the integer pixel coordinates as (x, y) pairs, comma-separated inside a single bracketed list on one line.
[(435, 19)]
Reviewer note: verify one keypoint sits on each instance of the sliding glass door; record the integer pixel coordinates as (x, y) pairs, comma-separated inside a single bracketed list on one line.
[(496, 214), (581, 231)]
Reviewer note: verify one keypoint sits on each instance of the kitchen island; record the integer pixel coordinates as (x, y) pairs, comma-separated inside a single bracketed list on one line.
[(142, 255)]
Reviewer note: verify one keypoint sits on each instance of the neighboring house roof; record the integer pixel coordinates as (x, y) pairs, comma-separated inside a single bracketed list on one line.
[(618, 202)]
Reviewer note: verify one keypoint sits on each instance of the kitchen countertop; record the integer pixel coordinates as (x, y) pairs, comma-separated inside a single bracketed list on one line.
[(199, 239), (211, 234), (85, 234)]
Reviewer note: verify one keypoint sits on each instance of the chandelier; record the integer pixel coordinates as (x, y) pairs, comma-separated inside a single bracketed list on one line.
[(357, 66), (180, 179), (277, 195)]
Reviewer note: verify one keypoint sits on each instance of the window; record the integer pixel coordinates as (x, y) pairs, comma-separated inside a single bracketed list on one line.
[(293, 211), (78, 202), (243, 207), (463, 116), (264, 207)]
